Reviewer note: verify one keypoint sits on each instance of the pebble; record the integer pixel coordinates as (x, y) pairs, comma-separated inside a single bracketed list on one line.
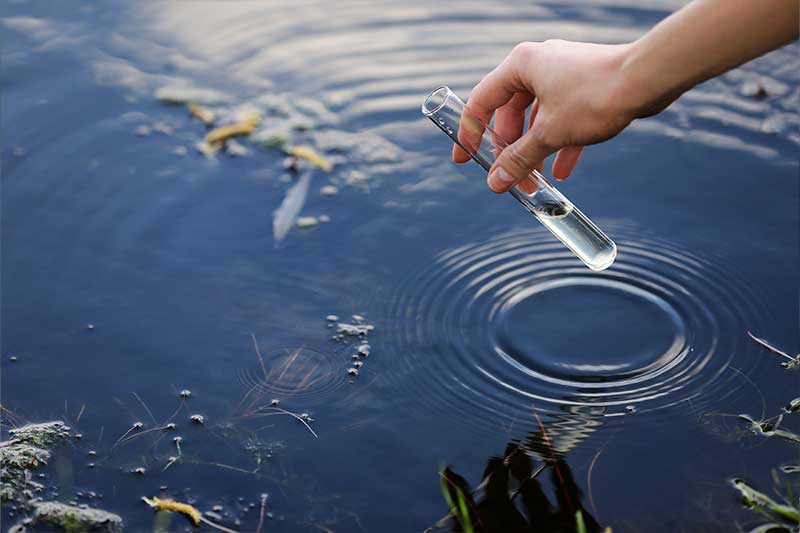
[(329, 190), (307, 222)]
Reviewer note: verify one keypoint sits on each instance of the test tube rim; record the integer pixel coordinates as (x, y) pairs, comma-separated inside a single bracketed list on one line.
[(447, 93)]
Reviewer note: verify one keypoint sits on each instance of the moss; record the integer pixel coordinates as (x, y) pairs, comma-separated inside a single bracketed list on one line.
[(27, 449), (75, 519)]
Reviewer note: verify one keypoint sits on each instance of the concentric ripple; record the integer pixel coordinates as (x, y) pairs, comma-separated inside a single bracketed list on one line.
[(495, 328), (296, 372)]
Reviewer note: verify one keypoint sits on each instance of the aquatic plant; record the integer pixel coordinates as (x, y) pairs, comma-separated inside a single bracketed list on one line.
[(458, 507)]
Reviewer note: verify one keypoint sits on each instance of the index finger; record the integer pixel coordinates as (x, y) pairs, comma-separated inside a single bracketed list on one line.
[(493, 91)]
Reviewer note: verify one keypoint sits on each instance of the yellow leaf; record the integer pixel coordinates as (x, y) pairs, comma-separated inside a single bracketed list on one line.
[(312, 156), (168, 505), (245, 127), (204, 114)]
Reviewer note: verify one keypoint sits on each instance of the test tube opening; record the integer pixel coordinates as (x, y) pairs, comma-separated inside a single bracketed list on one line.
[(436, 101)]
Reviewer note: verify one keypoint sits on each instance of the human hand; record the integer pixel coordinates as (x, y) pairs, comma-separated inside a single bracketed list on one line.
[(578, 97)]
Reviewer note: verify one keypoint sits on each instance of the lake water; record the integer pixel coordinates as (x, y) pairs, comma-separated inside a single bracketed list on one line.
[(133, 265)]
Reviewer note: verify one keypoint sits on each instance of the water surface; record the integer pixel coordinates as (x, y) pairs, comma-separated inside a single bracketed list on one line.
[(482, 321)]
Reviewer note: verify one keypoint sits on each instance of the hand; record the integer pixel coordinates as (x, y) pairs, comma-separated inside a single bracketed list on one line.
[(587, 93), (577, 97)]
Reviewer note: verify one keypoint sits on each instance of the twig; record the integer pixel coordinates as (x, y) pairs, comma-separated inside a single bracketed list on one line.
[(289, 363), (260, 358), (760, 395), (80, 413), (793, 361), (285, 412), (552, 455), (262, 513), (589, 481), (216, 526), (146, 409)]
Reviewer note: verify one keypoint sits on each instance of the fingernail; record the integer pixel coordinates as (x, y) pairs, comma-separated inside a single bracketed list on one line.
[(500, 180)]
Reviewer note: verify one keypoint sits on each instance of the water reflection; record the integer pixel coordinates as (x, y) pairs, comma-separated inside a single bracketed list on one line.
[(512, 497)]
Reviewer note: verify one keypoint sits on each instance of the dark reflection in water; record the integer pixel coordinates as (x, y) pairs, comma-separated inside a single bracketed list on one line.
[(511, 497), (111, 217)]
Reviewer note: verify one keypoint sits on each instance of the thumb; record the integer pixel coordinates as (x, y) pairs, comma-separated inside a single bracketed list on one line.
[(518, 160)]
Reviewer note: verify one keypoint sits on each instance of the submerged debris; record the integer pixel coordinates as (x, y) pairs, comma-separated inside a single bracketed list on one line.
[(307, 222), (286, 215), (329, 190), (184, 95), (354, 329)]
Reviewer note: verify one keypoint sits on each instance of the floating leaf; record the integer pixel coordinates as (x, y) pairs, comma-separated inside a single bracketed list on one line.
[(245, 127), (312, 156), (200, 112), (175, 507)]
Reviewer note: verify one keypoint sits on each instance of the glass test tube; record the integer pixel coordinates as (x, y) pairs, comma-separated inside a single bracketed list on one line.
[(549, 206)]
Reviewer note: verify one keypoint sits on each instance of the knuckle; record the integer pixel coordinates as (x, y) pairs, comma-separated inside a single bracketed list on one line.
[(517, 160), (524, 51)]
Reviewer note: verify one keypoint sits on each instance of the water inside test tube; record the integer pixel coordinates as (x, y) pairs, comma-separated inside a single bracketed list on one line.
[(574, 230)]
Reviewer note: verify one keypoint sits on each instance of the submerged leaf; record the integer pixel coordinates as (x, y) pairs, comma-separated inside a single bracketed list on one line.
[(286, 215), (312, 156)]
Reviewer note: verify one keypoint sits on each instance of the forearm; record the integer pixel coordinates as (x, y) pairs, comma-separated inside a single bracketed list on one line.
[(700, 41)]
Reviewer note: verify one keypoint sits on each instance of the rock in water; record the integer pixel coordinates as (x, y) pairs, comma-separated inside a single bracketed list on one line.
[(27, 449), (73, 519)]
